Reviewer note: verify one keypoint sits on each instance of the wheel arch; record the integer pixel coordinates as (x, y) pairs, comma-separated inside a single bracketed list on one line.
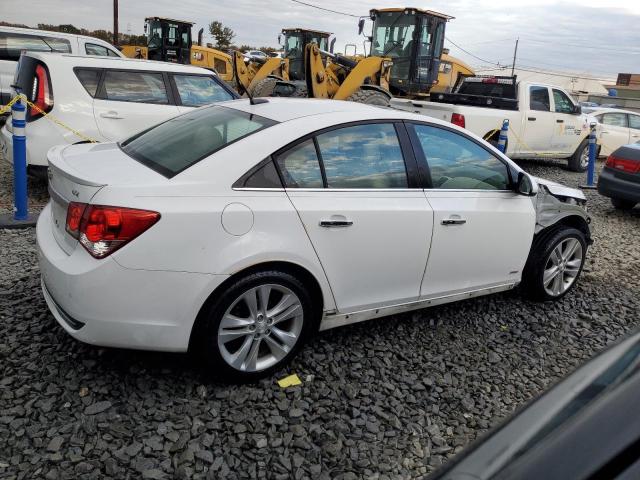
[(569, 220), (300, 272)]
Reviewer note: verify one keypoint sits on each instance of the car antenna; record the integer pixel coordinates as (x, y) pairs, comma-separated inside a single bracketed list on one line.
[(254, 101)]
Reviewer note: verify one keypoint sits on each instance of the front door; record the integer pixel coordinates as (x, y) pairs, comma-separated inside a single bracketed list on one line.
[(371, 231), (129, 101), (538, 122), (568, 127), (482, 229)]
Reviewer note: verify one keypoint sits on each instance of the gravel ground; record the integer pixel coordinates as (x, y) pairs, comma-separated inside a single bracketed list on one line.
[(392, 398)]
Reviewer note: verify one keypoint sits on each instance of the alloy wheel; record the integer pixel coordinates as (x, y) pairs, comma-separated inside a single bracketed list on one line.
[(260, 328), (563, 266)]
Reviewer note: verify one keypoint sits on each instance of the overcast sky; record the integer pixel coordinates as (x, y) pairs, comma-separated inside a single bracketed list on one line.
[(582, 36)]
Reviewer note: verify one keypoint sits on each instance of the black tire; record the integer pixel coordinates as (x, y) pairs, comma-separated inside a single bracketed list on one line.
[(620, 204), (532, 285), (205, 335), (264, 88), (575, 162), (300, 92), (370, 97)]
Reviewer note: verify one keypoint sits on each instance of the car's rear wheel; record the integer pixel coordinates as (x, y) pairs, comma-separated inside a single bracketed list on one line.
[(554, 264), (621, 204), (256, 326)]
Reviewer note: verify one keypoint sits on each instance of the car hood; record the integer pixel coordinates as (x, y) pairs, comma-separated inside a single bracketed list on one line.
[(561, 190)]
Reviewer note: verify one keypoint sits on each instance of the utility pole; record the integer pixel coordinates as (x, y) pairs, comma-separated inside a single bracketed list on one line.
[(515, 51), (115, 22)]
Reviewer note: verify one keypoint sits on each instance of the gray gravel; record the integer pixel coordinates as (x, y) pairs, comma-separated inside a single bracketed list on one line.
[(392, 398)]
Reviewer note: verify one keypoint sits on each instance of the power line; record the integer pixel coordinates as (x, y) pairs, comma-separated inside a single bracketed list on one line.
[(469, 53), (534, 69), (326, 9)]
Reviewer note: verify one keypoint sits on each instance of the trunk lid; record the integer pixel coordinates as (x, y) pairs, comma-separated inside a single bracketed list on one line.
[(78, 172)]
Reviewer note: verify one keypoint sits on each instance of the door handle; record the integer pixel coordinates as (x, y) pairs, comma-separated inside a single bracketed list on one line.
[(531, 119), (559, 121), (335, 223), (110, 114), (453, 221)]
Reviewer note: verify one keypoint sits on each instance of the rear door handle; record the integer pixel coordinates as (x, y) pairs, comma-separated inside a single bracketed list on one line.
[(111, 114), (453, 221), (531, 119), (335, 223)]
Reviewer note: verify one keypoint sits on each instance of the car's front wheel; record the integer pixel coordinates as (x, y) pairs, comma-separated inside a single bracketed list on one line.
[(256, 326), (554, 264)]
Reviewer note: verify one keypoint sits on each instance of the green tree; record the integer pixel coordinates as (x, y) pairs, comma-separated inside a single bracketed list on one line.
[(222, 35)]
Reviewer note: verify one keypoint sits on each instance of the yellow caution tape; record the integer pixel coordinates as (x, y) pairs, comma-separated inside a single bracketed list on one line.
[(48, 116), (290, 381)]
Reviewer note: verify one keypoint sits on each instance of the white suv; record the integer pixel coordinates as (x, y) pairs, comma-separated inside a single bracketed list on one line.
[(103, 99), (14, 41)]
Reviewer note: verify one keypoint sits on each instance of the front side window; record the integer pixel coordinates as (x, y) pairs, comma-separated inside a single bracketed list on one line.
[(12, 45), (181, 142), (634, 121), (198, 90), (456, 162), (539, 99), (133, 86), (363, 156), (562, 102), (615, 119), (300, 167)]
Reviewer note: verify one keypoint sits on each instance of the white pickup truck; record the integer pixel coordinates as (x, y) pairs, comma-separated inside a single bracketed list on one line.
[(543, 120)]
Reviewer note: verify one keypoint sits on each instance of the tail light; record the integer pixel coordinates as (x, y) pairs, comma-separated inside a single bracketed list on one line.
[(623, 164), (457, 119), (102, 229), (41, 93)]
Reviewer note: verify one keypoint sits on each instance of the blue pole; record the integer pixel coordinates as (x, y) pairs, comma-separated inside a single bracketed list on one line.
[(591, 170), (502, 139), (18, 118)]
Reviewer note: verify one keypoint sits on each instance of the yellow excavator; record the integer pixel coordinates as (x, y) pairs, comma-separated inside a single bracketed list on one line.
[(259, 76), (169, 40)]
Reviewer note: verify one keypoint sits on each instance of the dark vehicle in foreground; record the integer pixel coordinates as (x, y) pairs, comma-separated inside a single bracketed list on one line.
[(585, 427), (620, 177)]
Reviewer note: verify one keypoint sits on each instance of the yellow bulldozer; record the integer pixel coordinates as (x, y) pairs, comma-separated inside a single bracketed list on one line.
[(169, 40)]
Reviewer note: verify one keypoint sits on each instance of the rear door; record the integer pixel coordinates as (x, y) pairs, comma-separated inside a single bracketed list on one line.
[(539, 121), (129, 101), (634, 128), (482, 229), (365, 215), (568, 125), (615, 131)]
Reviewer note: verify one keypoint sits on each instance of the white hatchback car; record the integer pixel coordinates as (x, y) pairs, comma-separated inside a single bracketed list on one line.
[(103, 98), (618, 128), (239, 230)]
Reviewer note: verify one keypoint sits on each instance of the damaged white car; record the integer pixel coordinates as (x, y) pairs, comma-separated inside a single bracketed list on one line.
[(241, 229)]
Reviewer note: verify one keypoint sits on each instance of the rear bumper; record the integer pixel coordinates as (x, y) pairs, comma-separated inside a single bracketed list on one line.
[(102, 303), (613, 186)]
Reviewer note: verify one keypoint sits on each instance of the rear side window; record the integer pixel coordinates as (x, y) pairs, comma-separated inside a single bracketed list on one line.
[(99, 50), (89, 79), (130, 86), (176, 144), (198, 90), (300, 167), (634, 121), (12, 44), (539, 99), (363, 156)]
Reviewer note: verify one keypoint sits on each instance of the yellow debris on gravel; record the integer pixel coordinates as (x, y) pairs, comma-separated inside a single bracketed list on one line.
[(289, 381)]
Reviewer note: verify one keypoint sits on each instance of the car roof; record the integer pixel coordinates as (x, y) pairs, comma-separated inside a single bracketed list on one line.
[(49, 33), (283, 109), (115, 62), (600, 111)]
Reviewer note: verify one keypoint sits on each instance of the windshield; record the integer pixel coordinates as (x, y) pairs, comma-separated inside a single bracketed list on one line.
[(155, 35), (393, 34), (175, 145)]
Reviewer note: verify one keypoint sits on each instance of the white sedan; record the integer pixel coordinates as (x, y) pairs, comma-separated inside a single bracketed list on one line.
[(618, 128), (239, 230)]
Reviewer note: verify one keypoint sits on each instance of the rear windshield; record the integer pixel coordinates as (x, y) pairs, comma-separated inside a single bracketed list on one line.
[(175, 145), (487, 89)]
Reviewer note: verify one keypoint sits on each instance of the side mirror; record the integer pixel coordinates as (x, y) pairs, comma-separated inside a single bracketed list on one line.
[(360, 26), (333, 42), (577, 109), (526, 185), (279, 39)]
